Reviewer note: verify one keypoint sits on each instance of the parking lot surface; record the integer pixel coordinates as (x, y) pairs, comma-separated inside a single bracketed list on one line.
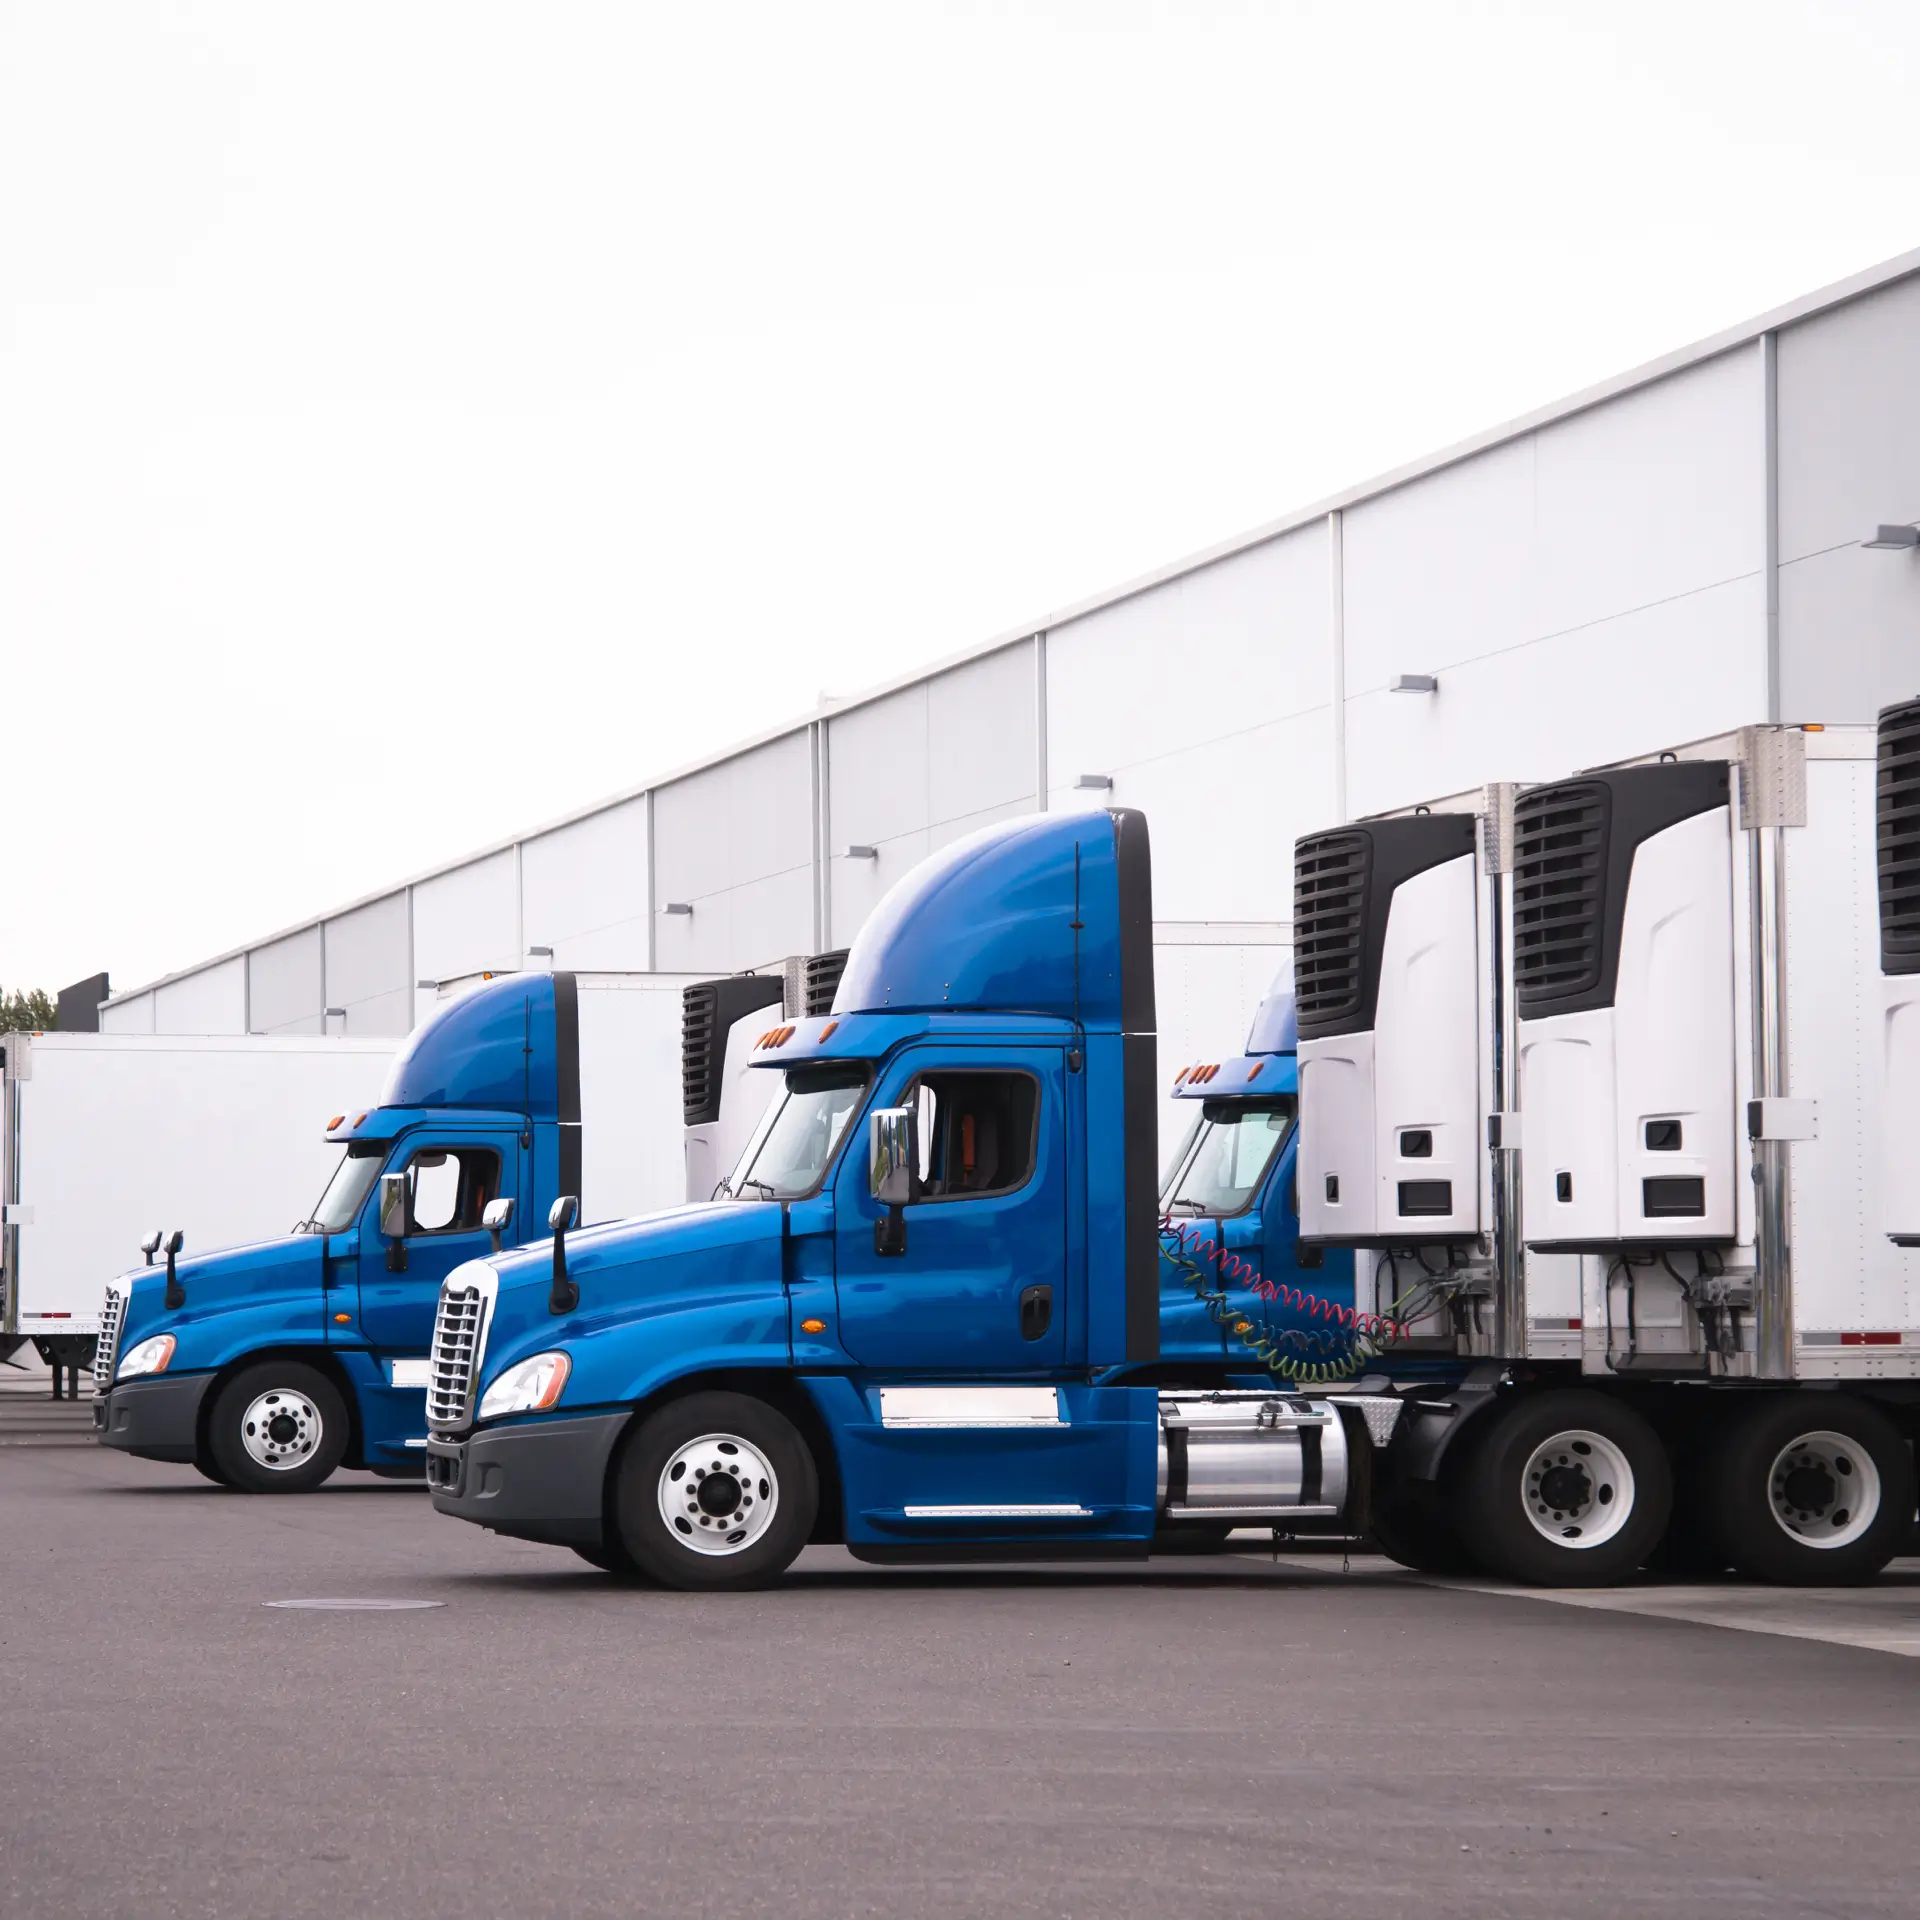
[(1232, 1735)]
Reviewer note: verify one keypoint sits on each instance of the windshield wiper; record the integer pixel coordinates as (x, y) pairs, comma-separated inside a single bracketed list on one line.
[(762, 1185), (1193, 1207)]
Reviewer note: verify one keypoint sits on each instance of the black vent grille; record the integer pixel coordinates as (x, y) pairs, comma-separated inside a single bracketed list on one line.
[(699, 1022), (820, 981), (1897, 838), (1559, 890), (1330, 873)]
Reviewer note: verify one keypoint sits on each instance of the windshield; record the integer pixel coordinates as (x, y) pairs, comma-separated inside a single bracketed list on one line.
[(793, 1145), (1228, 1156), (347, 1191)]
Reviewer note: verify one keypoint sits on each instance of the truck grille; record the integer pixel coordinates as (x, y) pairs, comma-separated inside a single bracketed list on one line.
[(106, 1348), (459, 1343), (1329, 926), (1559, 889), (1897, 838)]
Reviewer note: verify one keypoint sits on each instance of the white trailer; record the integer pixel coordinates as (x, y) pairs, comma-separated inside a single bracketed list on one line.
[(1599, 1071), (105, 1137)]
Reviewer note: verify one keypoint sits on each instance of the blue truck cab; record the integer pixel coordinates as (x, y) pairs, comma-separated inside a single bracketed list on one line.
[(927, 1321), (269, 1366)]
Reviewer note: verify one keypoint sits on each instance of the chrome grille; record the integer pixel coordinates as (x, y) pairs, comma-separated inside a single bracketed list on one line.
[(459, 1344), (106, 1346)]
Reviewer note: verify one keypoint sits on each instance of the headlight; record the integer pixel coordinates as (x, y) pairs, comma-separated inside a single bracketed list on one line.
[(531, 1387), (150, 1356)]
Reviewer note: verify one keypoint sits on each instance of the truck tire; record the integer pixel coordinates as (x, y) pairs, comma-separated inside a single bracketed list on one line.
[(715, 1493), (204, 1467), (613, 1558), (1814, 1490), (1565, 1489), (277, 1427), (1412, 1527)]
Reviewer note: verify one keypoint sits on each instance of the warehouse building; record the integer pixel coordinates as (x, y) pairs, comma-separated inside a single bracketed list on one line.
[(1718, 538)]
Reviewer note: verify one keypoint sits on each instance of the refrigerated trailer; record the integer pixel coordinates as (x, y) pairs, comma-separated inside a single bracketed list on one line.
[(106, 1137), (1602, 1068)]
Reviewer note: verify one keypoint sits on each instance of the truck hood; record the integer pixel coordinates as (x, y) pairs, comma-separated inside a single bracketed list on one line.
[(216, 1284), (689, 1256)]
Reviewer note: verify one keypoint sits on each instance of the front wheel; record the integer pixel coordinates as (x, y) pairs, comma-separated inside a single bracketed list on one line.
[(277, 1427), (1814, 1490), (716, 1492), (1565, 1489)]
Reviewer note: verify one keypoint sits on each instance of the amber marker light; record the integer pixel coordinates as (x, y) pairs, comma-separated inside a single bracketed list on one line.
[(827, 1032), (813, 1326), (343, 1319), (335, 1121)]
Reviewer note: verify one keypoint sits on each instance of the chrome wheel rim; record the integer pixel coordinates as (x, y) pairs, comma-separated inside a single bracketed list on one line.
[(1577, 1488), (718, 1494), (1824, 1490), (281, 1430)]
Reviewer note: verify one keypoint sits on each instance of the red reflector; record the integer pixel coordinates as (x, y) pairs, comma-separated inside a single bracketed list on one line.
[(1869, 1339)]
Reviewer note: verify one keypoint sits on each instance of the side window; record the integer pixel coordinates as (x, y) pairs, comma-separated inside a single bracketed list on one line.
[(449, 1188), (977, 1132)]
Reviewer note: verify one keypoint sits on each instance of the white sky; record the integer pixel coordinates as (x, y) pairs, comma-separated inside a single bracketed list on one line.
[(421, 418)]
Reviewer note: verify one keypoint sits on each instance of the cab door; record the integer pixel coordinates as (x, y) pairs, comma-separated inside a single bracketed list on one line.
[(978, 1283), (450, 1180)]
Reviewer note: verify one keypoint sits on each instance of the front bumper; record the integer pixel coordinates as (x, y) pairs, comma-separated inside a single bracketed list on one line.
[(540, 1480), (156, 1419)]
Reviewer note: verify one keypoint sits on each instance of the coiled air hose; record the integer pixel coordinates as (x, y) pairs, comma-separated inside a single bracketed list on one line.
[(1336, 1349)]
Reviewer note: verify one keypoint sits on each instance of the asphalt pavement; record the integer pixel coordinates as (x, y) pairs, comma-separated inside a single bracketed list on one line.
[(1232, 1735)]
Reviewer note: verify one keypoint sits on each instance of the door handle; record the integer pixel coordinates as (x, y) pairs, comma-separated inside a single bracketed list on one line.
[(1036, 1311)]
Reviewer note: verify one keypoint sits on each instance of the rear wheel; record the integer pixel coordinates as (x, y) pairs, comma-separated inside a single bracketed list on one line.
[(1813, 1490), (717, 1491), (277, 1427), (1412, 1526), (1565, 1489)]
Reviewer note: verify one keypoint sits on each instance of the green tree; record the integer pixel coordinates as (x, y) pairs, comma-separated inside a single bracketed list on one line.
[(26, 1010)]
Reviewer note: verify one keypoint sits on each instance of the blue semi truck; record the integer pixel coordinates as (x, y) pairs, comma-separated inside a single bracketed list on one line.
[(268, 1366), (943, 1309)]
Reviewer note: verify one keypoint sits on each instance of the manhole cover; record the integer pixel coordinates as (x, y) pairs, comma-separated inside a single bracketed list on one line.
[(356, 1606)]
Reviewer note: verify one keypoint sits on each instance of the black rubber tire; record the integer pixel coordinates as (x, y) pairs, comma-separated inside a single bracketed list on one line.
[(228, 1449), (657, 1550), (1692, 1548), (205, 1468), (1413, 1527), (1743, 1461), (1490, 1507), (611, 1557), (1193, 1536)]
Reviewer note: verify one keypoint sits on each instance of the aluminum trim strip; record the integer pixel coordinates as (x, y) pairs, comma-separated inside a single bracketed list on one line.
[(999, 1513), (970, 1407)]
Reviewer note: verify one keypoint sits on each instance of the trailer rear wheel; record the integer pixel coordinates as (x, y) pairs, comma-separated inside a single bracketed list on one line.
[(1565, 1489), (1814, 1490), (277, 1427), (716, 1492)]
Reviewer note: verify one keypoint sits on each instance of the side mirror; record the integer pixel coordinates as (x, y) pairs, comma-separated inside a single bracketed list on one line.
[(151, 1245), (176, 1294), (564, 1296), (893, 1161), (393, 1219), (497, 1218)]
